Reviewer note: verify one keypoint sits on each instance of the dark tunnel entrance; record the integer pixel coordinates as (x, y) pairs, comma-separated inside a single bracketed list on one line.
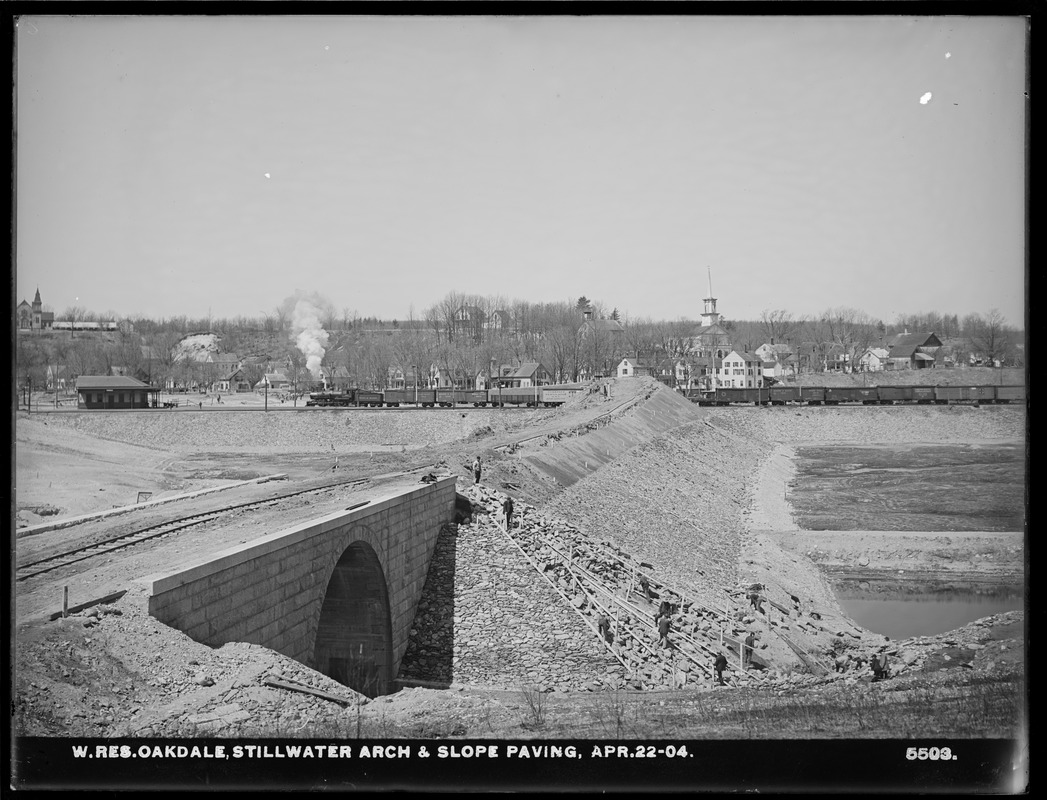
[(354, 637)]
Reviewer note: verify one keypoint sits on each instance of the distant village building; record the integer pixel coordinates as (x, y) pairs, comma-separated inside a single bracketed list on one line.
[(599, 344), (273, 381), (335, 377), (33, 317), (111, 391), (529, 373), (592, 325), (873, 360), (778, 360), (59, 377), (634, 366), (913, 351), (654, 365), (707, 346), (741, 371)]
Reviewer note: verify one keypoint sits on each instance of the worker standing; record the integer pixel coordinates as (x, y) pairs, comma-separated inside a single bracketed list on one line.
[(507, 509), (720, 665)]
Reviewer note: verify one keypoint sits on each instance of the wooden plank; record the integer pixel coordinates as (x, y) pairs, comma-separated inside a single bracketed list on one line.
[(109, 598), (277, 683)]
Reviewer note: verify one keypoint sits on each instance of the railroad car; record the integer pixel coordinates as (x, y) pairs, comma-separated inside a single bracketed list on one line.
[(949, 394), (558, 394), (448, 398), (980, 394), (867, 395), (426, 398), (1010, 394), (812, 395), (727, 395), (474, 397), (780, 395), (514, 396), (888, 395), (923, 395)]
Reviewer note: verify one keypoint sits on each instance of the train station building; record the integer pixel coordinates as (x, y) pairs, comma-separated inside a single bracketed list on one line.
[(114, 391)]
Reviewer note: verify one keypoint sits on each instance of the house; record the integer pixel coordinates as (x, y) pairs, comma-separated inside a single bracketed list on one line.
[(652, 364), (777, 359), (110, 391), (273, 381), (59, 377), (836, 358), (235, 381), (740, 370), (769, 351), (469, 321), (592, 326), (873, 360), (335, 377), (634, 366), (396, 378), (222, 364), (774, 370), (913, 351), (440, 378), (501, 322), (530, 373)]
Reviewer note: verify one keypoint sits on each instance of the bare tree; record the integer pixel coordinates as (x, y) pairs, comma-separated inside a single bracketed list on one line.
[(988, 335), (779, 325), (851, 331)]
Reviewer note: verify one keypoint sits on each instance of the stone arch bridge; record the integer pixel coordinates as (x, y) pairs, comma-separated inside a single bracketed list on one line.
[(337, 593)]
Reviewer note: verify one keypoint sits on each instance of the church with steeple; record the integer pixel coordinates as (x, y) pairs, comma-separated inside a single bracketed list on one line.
[(710, 340), (33, 317)]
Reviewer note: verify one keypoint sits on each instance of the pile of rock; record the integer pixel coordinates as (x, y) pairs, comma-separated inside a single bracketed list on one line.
[(525, 607)]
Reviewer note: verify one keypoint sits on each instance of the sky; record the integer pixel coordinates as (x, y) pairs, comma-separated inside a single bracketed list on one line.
[(191, 165)]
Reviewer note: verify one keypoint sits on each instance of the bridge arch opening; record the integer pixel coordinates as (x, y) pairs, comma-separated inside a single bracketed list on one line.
[(354, 640)]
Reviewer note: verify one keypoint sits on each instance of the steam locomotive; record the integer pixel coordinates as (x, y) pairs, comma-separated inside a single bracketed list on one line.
[(529, 396)]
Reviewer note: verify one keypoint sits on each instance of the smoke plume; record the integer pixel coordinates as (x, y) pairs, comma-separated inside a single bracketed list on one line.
[(308, 331)]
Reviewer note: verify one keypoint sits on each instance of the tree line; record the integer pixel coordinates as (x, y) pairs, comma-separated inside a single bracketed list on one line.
[(463, 335)]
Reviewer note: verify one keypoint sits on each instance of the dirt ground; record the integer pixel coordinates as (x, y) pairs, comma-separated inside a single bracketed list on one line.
[(112, 670)]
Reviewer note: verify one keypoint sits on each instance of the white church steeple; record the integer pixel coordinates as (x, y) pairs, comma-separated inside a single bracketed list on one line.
[(709, 315)]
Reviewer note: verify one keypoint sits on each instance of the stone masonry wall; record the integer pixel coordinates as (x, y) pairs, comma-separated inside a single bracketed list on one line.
[(270, 591)]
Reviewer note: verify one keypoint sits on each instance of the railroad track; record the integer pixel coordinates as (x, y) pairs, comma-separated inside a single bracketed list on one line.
[(74, 555)]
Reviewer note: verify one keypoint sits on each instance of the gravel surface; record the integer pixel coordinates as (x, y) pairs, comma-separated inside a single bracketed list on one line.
[(297, 431)]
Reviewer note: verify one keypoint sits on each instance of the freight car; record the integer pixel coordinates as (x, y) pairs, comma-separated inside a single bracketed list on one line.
[(864, 395), (448, 398), (529, 396)]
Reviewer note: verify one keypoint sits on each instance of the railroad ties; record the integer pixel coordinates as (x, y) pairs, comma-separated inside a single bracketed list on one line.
[(93, 549), (108, 545)]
